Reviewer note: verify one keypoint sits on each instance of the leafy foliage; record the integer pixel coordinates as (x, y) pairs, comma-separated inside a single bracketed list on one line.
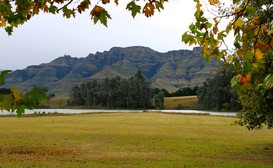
[(17, 12), (250, 22), (15, 100)]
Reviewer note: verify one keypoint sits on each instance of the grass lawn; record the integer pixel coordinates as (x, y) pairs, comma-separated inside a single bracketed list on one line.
[(126, 140)]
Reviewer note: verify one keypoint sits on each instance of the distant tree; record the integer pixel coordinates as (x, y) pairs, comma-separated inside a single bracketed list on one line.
[(5, 91), (187, 91), (159, 100), (216, 94), (157, 90), (50, 96), (139, 91)]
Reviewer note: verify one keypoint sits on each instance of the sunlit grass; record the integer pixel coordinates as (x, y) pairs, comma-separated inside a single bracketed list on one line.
[(184, 102), (132, 140)]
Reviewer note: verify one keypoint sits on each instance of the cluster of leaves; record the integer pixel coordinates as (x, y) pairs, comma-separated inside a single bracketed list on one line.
[(113, 93), (16, 100), (250, 23), (16, 12)]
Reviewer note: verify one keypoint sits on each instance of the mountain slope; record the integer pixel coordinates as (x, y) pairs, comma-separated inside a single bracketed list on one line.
[(171, 70)]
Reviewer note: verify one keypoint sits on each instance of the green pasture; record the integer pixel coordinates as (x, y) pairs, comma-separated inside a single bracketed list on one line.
[(132, 140)]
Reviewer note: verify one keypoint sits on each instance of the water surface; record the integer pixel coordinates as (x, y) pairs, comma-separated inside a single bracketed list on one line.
[(79, 111)]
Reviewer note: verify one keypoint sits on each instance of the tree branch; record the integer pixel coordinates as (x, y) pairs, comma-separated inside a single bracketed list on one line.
[(65, 5)]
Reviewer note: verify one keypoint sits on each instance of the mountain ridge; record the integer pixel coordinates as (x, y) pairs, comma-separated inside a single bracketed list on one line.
[(170, 70)]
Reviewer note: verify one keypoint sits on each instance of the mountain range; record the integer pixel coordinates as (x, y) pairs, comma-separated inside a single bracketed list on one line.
[(170, 70)]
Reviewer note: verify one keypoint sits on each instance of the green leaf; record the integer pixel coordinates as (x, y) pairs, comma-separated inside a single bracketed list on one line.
[(186, 38), (67, 12), (237, 44), (96, 19), (249, 55), (238, 23), (133, 8), (193, 28), (248, 67), (3, 76), (268, 81), (250, 10), (53, 9), (159, 5), (103, 17), (208, 25)]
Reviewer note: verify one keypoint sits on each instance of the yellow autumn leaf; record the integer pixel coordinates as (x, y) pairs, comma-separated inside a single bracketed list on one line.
[(230, 57), (259, 54), (192, 42), (264, 28), (215, 29), (198, 7), (256, 20), (270, 32), (213, 2), (247, 87), (16, 93), (3, 22), (238, 23)]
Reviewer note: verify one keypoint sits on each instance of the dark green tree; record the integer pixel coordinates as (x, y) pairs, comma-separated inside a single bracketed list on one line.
[(159, 100), (216, 94)]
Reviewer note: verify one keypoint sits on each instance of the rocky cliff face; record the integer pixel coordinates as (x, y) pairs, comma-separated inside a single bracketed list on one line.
[(171, 70)]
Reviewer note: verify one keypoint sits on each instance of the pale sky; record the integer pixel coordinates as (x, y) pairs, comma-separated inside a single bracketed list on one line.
[(46, 37)]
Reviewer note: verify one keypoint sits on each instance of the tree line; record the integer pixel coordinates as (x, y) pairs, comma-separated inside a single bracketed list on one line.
[(134, 92), (216, 93)]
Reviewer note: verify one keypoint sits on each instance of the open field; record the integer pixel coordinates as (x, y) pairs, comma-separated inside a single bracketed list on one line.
[(132, 140), (183, 102), (55, 102)]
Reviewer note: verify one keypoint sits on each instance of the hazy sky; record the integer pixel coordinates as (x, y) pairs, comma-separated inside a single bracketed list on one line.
[(46, 37)]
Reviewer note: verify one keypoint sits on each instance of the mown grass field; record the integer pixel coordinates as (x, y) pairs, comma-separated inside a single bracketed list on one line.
[(132, 140)]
